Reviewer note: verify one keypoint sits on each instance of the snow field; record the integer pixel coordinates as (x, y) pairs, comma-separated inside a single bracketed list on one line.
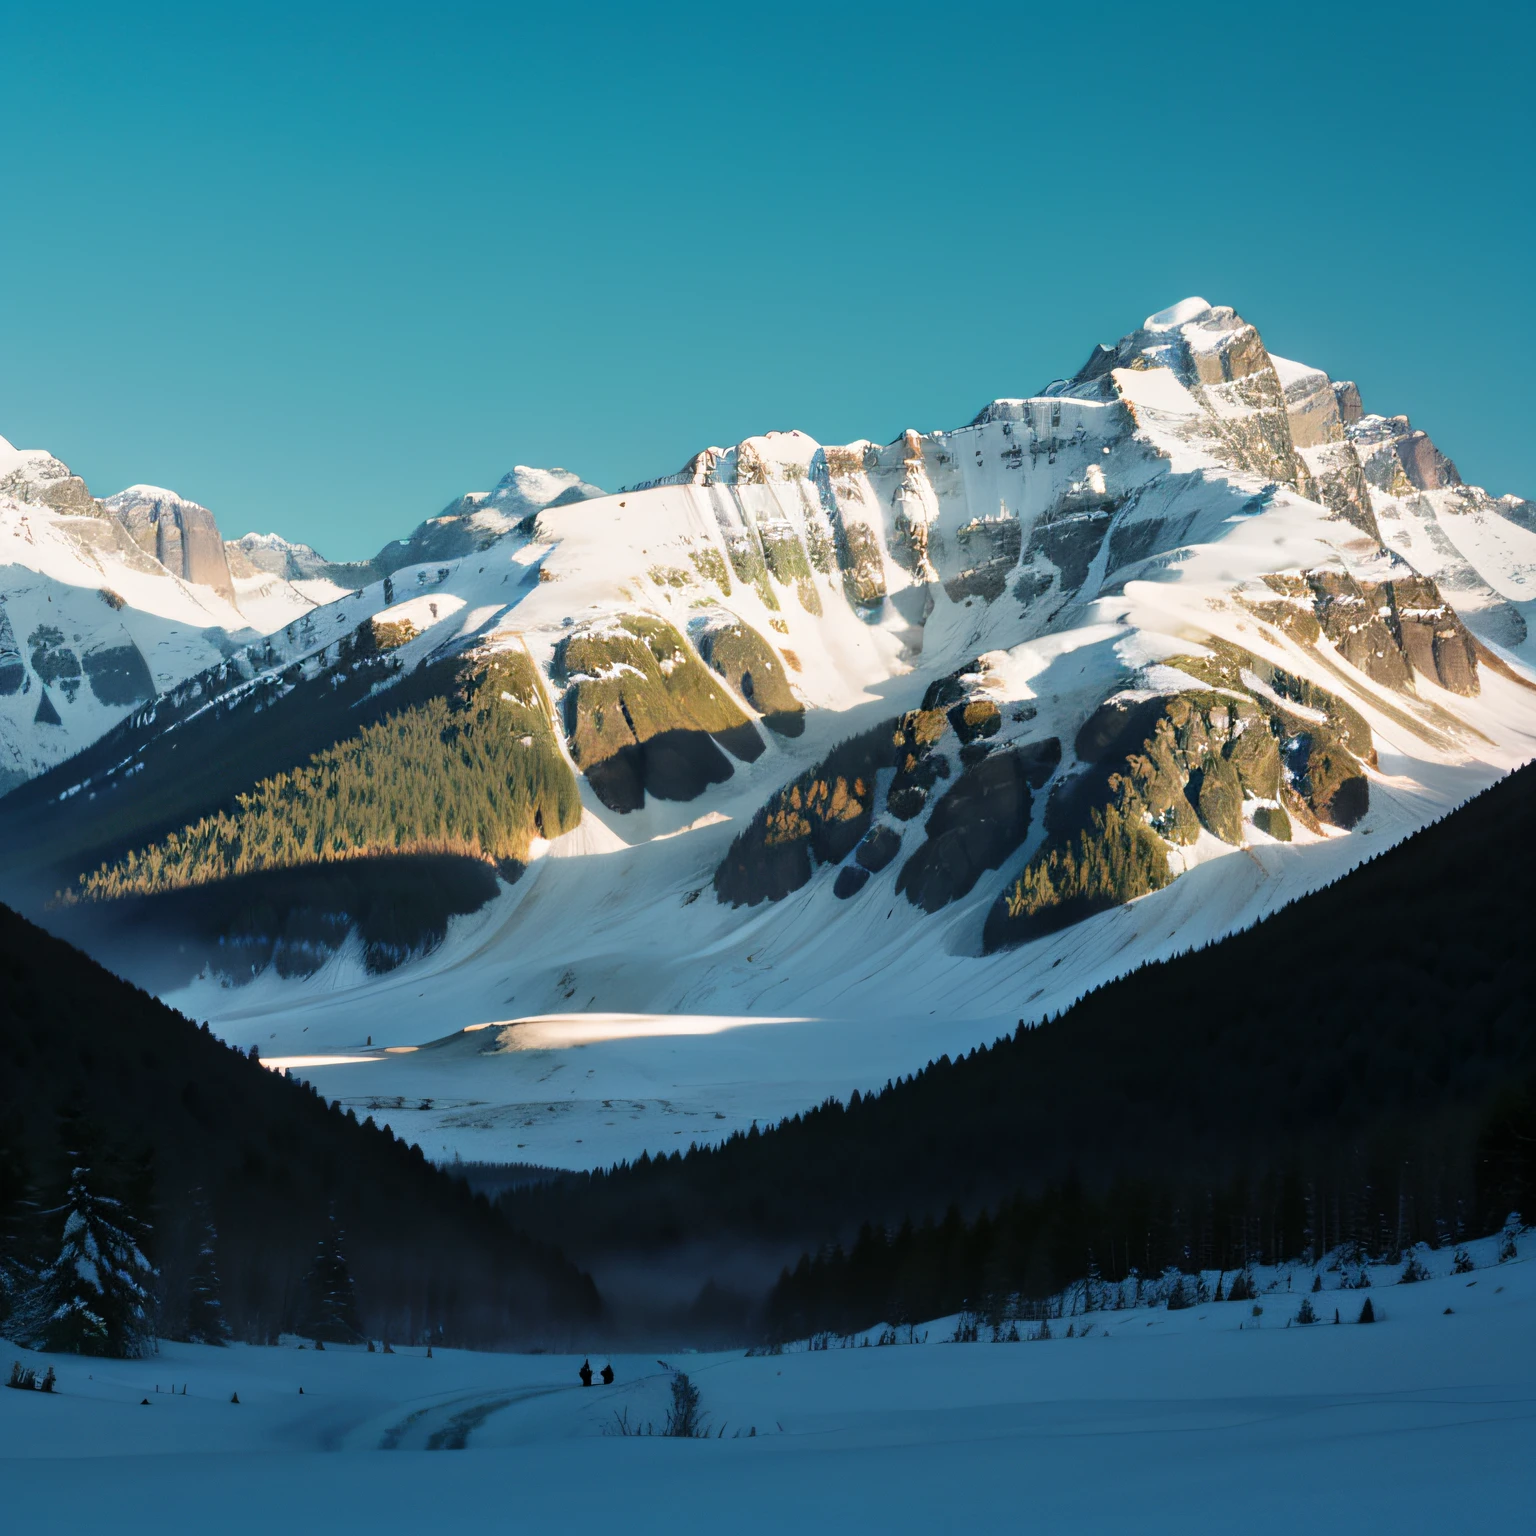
[(1423, 1422)]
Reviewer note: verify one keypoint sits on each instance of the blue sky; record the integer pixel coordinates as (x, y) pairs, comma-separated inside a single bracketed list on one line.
[(323, 267)]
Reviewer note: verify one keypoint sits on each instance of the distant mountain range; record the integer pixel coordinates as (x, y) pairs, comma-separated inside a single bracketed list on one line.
[(105, 604), (939, 733)]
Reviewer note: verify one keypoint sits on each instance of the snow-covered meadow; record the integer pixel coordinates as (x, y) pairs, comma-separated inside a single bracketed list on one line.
[(1144, 1418)]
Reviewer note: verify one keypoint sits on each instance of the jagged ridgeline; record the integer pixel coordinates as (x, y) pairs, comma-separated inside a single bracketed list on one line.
[(1259, 748), (644, 715), (473, 771)]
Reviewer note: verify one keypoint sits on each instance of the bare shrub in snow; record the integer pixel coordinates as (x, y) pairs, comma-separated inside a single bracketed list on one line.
[(684, 1420)]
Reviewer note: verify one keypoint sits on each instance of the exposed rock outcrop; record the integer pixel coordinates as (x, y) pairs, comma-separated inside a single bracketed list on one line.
[(12, 670), (1338, 481), (180, 534), (1388, 629), (1155, 770), (643, 714), (817, 818), (989, 548), (1311, 406), (1347, 393), (45, 480), (1399, 458), (256, 554), (976, 824), (1432, 638), (752, 667)]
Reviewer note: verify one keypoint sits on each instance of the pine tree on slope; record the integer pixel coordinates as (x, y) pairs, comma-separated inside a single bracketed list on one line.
[(331, 1314), (93, 1299), (205, 1320)]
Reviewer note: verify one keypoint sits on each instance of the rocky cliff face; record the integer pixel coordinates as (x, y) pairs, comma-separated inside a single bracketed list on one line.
[(180, 534), (40, 478)]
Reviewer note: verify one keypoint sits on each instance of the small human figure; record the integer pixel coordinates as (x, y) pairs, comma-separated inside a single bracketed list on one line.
[(607, 1374), (585, 1373)]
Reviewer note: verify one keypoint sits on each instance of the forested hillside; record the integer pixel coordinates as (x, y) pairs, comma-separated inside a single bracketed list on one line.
[(1353, 1069), (188, 1134), (474, 773), (279, 818)]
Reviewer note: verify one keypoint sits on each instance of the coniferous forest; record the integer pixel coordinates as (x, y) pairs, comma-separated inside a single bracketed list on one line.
[(474, 772), (1355, 1070), (229, 1201), (292, 813)]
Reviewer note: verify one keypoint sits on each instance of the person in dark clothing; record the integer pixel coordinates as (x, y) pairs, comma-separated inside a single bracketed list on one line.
[(585, 1373), (607, 1374)]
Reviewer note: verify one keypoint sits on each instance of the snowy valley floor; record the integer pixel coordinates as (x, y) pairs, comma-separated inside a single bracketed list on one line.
[(1156, 1421)]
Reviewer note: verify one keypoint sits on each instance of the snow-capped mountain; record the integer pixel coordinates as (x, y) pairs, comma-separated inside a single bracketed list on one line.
[(107, 604), (809, 762), (104, 605), (476, 519), (255, 553)]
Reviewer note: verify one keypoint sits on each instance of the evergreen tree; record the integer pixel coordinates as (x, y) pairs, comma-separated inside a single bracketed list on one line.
[(331, 1306), (205, 1321), (1305, 1313), (93, 1299)]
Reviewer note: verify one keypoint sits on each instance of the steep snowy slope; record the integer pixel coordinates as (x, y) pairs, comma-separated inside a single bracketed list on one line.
[(903, 741)]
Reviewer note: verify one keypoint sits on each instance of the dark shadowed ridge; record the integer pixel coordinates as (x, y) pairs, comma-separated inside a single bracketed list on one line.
[(431, 1260)]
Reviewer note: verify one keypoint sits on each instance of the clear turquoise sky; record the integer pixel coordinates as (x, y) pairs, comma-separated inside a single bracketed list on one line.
[(325, 266)]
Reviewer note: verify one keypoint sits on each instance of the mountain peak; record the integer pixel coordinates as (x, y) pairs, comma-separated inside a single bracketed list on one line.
[(526, 488), (181, 534), (147, 495), (1177, 315)]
